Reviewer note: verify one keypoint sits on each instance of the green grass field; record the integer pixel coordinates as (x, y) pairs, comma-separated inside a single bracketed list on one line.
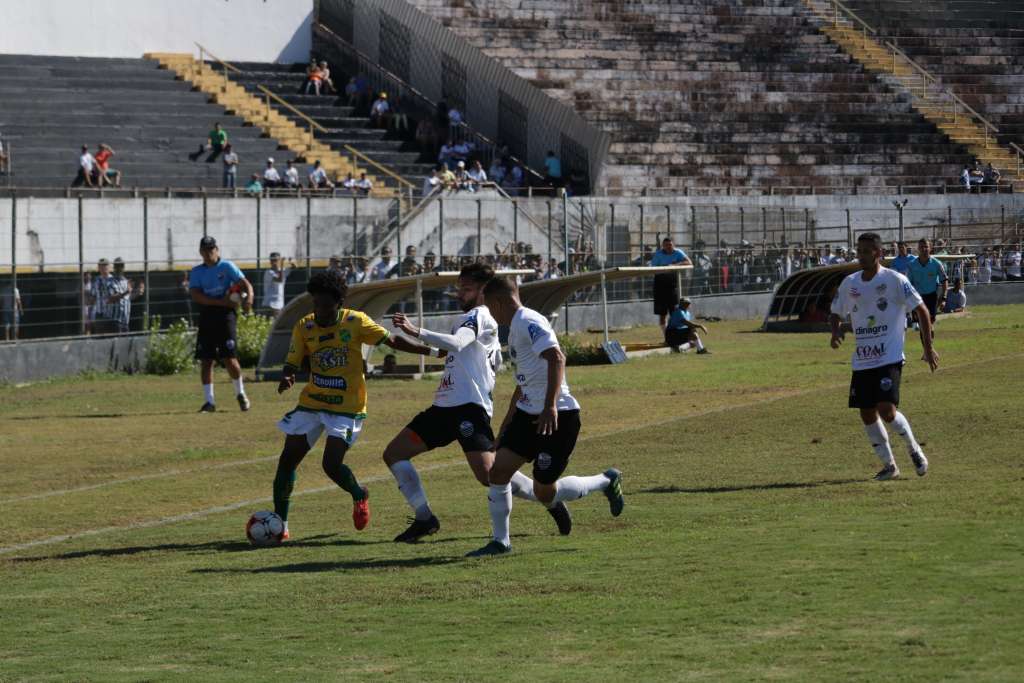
[(754, 545)]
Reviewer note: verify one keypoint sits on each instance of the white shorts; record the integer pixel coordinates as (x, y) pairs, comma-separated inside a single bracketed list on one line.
[(314, 423)]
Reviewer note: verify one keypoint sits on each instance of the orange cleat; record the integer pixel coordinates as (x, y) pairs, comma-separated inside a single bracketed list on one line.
[(285, 536), (361, 511)]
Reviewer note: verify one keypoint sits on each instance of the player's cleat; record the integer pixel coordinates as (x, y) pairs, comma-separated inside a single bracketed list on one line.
[(361, 511), (418, 529), (703, 352), (614, 491), (888, 472), (243, 402), (492, 548), (562, 518), (920, 463), (208, 408), (285, 536)]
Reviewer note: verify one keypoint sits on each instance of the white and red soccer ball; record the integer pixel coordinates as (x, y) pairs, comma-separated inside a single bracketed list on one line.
[(265, 528)]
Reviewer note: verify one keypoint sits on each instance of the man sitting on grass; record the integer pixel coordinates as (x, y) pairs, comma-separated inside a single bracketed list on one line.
[(681, 330)]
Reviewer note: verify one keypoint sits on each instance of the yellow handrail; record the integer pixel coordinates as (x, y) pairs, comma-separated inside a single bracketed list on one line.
[(311, 122), (203, 50), (383, 169)]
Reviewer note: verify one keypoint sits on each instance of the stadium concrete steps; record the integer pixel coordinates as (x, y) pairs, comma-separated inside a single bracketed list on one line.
[(692, 92), (50, 106), (960, 125), (236, 100)]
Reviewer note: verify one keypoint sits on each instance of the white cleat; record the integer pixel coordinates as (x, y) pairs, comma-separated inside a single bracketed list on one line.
[(888, 472), (920, 462)]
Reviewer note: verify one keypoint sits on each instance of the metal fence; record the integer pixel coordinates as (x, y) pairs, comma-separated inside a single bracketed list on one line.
[(50, 247)]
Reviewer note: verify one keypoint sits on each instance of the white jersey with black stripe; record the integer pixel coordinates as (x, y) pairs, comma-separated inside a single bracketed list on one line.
[(474, 355)]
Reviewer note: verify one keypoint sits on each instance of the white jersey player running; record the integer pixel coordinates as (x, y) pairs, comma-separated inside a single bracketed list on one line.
[(462, 406), (542, 422), (877, 300)]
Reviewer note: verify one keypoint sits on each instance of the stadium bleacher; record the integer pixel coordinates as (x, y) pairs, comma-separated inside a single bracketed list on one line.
[(713, 93)]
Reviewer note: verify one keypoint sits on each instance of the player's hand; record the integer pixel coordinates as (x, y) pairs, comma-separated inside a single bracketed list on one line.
[(404, 324), (931, 356), (285, 384), (836, 342), (547, 421), (246, 306)]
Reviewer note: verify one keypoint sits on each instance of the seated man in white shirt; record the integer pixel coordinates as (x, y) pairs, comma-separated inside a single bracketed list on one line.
[(956, 298), (364, 185), (318, 179), (291, 176), (271, 178)]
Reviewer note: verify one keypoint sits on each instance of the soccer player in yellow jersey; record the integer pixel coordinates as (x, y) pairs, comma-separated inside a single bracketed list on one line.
[(334, 399)]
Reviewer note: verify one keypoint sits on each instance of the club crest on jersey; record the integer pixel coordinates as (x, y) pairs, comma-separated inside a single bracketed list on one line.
[(885, 384), (331, 358), (880, 288), (533, 329), (466, 428), (543, 461), (345, 336), (882, 303)]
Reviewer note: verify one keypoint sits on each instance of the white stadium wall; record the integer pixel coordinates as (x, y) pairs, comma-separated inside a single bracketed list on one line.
[(241, 30)]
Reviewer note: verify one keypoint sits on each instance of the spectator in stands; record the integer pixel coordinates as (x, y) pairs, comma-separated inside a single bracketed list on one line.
[(462, 181), (318, 179), (360, 271), (553, 170), (901, 263), (274, 279), (409, 267), (965, 178), (990, 181), (364, 185), (431, 183), (448, 178), (454, 121), (135, 289), (334, 264), (666, 285), (497, 171), (552, 272), (291, 176), (11, 311), (399, 119), (352, 94), (681, 330), (477, 176), (254, 187), (380, 111), (349, 184), (314, 78), (839, 258), (977, 176), (86, 169), (430, 262), (447, 155), (1011, 262), (271, 177), (956, 298), (104, 174), (983, 275), (105, 296), (325, 77), (215, 143), (384, 267), (230, 160), (427, 139)]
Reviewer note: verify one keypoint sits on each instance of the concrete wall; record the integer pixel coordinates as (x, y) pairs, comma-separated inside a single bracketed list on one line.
[(254, 30), (37, 360)]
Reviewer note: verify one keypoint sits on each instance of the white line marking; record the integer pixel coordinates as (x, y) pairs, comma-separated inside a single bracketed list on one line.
[(198, 514)]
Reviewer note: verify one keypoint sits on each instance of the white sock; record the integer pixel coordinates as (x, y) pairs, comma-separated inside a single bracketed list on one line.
[(522, 487), (902, 427), (700, 344), (499, 501), (239, 386), (571, 488), (208, 393), (409, 484), (879, 439), (685, 347)]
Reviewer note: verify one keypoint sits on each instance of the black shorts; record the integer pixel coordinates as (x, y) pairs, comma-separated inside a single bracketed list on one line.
[(666, 293), (549, 454), (931, 301), (218, 335), (868, 388), (677, 336), (468, 424)]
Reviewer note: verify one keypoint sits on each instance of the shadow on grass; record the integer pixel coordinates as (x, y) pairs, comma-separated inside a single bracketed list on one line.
[(754, 487), (90, 416), (341, 565)]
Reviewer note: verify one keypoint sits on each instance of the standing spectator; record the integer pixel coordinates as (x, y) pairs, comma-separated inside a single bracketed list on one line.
[(553, 272), (132, 291), (1011, 263), (274, 279), (361, 272), (106, 295), (334, 264), (271, 177), (553, 170), (291, 176), (984, 271), (215, 143), (666, 285), (104, 174), (431, 183), (681, 329), (86, 169), (318, 179), (965, 178), (956, 298), (454, 121), (901, 263), (230, 160), (383, 269), (379, 111), (254, 187), (11, 311), (928, 277), (514, 180), (365, 185), (447, 155)]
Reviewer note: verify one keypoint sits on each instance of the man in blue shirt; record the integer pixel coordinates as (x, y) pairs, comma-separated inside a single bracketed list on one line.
[(666, 285), (928, 277), (218, 287), (901, 263), (553, 168), (681, 331)]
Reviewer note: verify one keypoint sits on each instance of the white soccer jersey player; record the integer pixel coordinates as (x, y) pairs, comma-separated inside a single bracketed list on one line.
[(474, 355), (530, 334), (877, 310)]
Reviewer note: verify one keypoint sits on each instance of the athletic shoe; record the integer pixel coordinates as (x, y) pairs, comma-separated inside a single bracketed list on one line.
[(208, 408), (492, 548), (614, 491), (888, 472), (562, 518), (361, 511), (703, 352), (418, 529), (285, 536), (920, 463), (243, 402)]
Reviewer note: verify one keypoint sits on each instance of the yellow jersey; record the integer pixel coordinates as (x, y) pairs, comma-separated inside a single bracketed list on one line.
[(336, 383)]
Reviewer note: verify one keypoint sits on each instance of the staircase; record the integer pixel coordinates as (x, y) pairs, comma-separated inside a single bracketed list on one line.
[(929, 97)]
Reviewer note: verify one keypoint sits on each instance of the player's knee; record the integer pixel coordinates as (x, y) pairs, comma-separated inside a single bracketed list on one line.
[(545, 492)]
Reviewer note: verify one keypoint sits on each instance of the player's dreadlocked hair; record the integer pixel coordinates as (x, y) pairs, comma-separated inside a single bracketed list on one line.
[(481, 273), (328, 282)]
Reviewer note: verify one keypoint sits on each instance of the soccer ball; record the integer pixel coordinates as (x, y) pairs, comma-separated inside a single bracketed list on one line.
[(235, 294), (265, 528)]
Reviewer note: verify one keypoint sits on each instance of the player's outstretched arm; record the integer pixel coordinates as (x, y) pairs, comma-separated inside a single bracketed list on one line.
[(287, 379), (449, 342), (403, 344)]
